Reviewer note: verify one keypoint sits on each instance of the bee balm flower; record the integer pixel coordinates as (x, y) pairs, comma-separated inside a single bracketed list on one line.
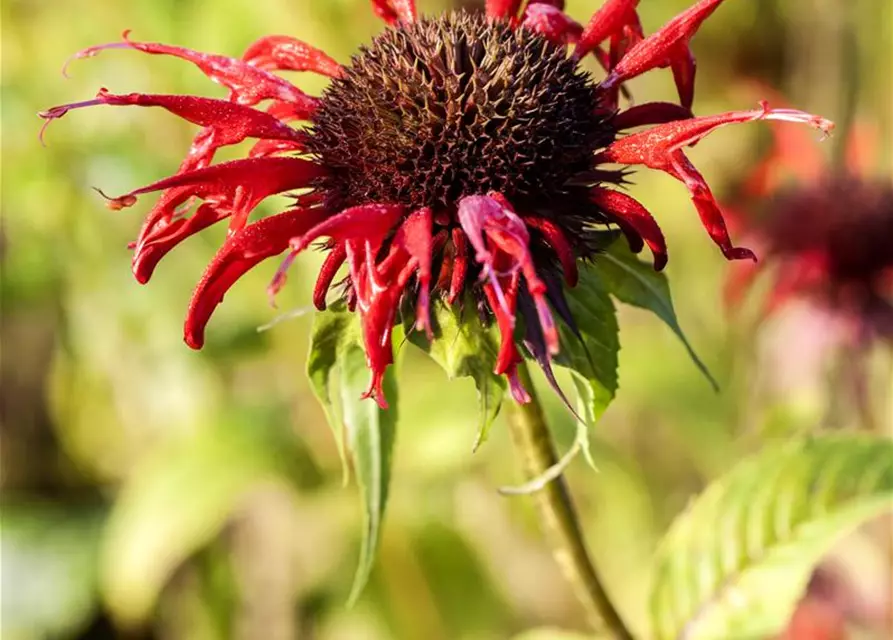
[(461, 155)]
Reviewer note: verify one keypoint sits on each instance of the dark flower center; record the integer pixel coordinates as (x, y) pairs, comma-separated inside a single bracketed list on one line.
[(850, 221), (455, 106)]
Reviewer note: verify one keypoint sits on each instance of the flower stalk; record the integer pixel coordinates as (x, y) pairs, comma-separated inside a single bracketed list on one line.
[(557, 515)]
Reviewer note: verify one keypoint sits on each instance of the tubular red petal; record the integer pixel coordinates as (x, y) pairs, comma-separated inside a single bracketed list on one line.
[(234, 188), (248, 84), (327, 273), (505, 321), (654, 146), (229, 123), (383, 10), (284, 53), (502, 9), (242, 251), (551, 23), (491, 217), (368, 223), (650, 113), (626, 210), (665, 46), (414, 236), (684, 67), (661, 148), (392, 11), (560, 245), (157, 240), (460, 265), (610, 19)]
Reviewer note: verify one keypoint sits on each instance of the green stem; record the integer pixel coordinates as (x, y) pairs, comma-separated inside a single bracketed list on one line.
[(557, 514)]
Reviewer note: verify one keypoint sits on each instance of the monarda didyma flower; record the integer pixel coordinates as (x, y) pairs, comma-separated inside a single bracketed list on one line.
[(458, 156), (840, 260)]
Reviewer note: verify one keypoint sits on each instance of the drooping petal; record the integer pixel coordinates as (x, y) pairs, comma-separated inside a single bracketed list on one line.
[(368, 223), (560, 245), (627, 211), (460, 265), (327, 273), (242, 251), (508, 242), (668, 46), (160, 239), (414, 237), (508, 358), (229, 123), (608, 20), (285, 53), (234, 188), (660, 148), (248, 84), (551, 23)]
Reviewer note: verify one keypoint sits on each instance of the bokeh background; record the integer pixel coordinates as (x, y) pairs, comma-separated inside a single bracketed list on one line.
[(150, 491)]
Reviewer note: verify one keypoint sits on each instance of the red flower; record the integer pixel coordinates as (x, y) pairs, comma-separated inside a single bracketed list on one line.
[(827, 235), (453, 155)]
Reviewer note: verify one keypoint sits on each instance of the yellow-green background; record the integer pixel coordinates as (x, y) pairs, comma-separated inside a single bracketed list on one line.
[(133, 467)]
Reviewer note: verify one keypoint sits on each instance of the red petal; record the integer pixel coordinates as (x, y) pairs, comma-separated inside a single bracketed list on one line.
[(460, 265), (486, 216), (392, 11), (284, 53), (248, 84), (327, 273), (368, 223), (414, 236), (628, 211), (502, 8), (661, 148), (242, 251), (609, 20), (562, 248), (156, 241), (228, 123), (667, 46), (551, 23)]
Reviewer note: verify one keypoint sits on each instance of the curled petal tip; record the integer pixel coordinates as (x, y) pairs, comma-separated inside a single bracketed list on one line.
[(116, 204), (519, 393)]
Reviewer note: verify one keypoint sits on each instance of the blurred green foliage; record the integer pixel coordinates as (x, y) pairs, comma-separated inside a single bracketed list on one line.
[(153, 491)]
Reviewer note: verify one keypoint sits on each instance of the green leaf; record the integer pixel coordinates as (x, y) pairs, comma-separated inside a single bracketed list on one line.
[(592, 355), (463, 347), (181, 496), (637, 283), (736, 562), (332, 330), (371, 432)]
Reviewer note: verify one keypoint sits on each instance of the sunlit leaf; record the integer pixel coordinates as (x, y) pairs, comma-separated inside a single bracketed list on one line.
[(178, 500), (370, 433), (637, 283), (463, 347), (592, 354), (332, 330), (735, 563)]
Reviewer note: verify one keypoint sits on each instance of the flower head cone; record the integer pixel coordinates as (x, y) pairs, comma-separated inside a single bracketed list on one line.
[(465, 158)]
